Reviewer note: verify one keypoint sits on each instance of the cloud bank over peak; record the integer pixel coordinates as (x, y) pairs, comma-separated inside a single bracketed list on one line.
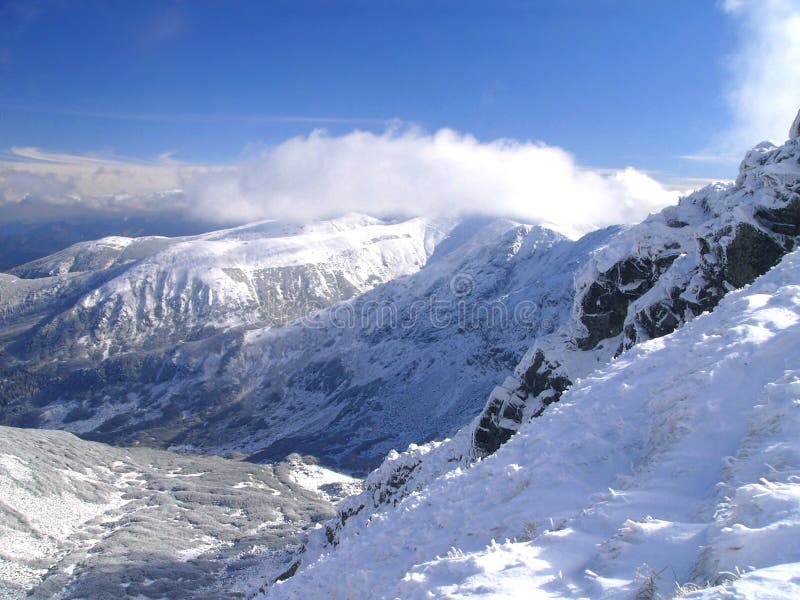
[(398, 172), (413, 172)]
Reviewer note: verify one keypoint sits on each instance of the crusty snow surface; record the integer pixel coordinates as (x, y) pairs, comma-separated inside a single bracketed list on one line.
[(85, 520), (674, 470)]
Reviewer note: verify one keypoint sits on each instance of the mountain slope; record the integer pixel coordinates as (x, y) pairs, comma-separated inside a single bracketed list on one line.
[(80, 519), (645, 282), (657, 275), (161, 291), (411, 359), (677, 463)]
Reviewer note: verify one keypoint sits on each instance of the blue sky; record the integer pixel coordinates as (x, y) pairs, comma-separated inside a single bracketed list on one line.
[(616, 82), (674, 88)]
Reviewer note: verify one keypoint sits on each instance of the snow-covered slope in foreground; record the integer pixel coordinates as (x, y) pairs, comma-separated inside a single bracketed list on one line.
[(85, 520), (678, 464)]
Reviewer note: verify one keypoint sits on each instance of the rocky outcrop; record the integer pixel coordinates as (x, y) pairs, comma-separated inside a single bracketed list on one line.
[(510, 404), (604, 304), (652, 278)]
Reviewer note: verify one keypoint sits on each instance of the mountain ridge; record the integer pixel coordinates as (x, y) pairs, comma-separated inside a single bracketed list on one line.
[(645, 282), (670, 470), (269, 391)]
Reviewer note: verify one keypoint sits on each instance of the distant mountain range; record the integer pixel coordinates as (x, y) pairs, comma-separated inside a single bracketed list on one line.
[(26, 239), (342, 339)]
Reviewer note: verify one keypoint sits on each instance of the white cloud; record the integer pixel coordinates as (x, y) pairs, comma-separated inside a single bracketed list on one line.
[(764, 92), (416, 173), (397, 172)]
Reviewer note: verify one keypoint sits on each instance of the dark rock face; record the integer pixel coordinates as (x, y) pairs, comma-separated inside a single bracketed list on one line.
[(725, 237), (506, 409), (501, 408), (663, 317), (783, 221), (604, 306), (751, 254), (748, 254)]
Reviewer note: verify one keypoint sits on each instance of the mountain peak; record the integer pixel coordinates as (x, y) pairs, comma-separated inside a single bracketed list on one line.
[(794, 132)]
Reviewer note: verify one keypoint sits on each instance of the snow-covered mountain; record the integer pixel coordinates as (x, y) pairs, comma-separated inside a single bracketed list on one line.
[(645, 282), (642, 421), (198, 343), (102, 327), (85, 520), (672, 470), (410, 360), (160, 291)]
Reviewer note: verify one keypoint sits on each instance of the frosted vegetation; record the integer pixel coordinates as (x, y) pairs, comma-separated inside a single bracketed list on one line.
[(86, 520)]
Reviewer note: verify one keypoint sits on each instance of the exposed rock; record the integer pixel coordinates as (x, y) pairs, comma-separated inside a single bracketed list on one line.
[(784, 221), (751, 253), (656, 276), (501, 416), (510, 404), (794, 132), (604, 305)]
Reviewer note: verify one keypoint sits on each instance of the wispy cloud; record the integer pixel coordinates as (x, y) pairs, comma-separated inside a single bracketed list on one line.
[(166, 25), (708, 158), (400, 171), (764, 77), (198, 117), (684, 185), (31, 153), (59, 179)]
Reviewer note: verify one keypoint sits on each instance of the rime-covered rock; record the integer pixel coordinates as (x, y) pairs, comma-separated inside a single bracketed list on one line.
[(653, 277), (645, 282)]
